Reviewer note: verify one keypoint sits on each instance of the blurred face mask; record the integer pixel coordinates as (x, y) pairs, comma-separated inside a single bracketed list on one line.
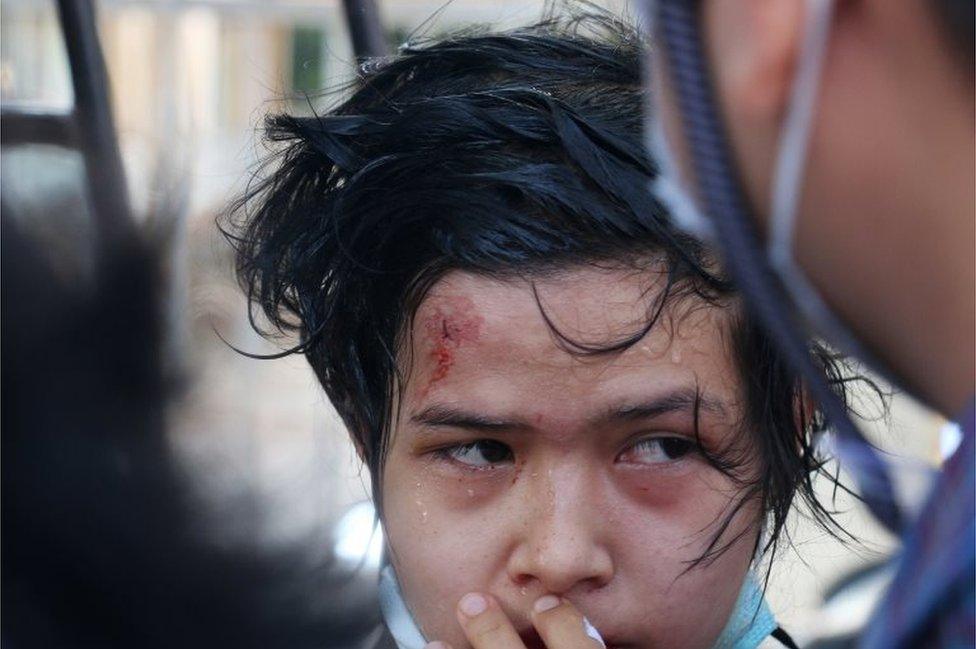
[(675, 185)]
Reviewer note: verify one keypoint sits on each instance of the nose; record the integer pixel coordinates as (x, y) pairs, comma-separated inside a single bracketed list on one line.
[(563, 545)]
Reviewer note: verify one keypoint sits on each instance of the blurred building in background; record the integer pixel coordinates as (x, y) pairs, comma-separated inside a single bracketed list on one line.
[(191, 82)]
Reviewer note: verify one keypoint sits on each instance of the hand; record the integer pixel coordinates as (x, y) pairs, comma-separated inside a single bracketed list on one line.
[(486, 626)]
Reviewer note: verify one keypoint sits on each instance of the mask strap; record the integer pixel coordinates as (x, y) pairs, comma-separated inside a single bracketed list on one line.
[(795, 135), (664, 187), (787, 189), (406, 634)]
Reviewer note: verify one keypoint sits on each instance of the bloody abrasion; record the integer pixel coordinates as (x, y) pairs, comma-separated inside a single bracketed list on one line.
[(453, 322)]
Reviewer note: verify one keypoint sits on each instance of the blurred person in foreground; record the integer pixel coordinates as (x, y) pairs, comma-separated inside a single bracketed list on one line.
[(102, 544), (828, 149), (562, 406)]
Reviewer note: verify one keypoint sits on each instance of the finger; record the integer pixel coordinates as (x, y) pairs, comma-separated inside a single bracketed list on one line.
[(485, 624), (437, 644), (561, 626)]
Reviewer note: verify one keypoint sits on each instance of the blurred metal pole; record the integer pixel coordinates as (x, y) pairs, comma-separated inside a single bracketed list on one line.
[(26, 127), (95, 129), (365, 29)]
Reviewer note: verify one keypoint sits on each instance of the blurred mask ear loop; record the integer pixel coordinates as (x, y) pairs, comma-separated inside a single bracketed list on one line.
[(666, 188), (787, 189), (751, 620), (791, 162), (406, 634), (787, 192)]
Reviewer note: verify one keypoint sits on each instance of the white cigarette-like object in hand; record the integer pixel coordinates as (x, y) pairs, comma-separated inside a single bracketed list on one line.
[(592, 632)]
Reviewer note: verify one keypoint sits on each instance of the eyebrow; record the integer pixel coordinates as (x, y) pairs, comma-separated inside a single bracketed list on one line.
[(441, 416), (681, 400)]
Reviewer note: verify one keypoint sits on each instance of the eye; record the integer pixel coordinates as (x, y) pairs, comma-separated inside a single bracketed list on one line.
[(482, 453), (659, 450)]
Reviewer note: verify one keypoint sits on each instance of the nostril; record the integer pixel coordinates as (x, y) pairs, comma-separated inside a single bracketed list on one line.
[(526, 586), (522, 579)]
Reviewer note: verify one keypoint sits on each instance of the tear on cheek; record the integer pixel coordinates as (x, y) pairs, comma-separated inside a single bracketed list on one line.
[(453, 323), (463, 494)]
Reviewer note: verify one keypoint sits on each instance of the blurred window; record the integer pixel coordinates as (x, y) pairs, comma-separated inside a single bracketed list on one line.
[(44, 189), (34, 70), (307, 59), (43, 186)]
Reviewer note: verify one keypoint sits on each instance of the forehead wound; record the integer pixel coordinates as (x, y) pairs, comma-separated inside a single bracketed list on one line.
[(448, 324)]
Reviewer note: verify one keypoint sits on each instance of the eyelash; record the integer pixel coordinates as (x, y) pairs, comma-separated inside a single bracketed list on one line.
[(686, 447), (451, 453)]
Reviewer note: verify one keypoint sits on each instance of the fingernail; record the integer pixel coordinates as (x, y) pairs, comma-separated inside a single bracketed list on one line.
[(545, 603), (473, 604)]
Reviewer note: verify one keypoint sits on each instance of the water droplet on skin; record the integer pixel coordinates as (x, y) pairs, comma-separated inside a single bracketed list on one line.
[(524, 591), (551, 491), (470, 493), (423, 511), (418, 485), (676, 356), (535, 473)]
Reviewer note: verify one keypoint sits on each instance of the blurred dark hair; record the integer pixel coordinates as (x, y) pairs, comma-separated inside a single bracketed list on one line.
[(504, 154), (101, 544), (958, 20)]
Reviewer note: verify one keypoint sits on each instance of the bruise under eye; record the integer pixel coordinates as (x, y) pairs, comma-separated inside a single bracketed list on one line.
[(482, 453)]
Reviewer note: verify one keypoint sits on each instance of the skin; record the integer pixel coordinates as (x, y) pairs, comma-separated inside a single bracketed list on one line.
[(591, 488), (886, 221)]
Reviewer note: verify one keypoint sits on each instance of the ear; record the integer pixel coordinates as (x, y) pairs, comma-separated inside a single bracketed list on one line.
[(803, 409), (752, 48)]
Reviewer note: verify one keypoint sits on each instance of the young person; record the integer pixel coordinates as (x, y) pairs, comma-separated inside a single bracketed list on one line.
[(839, 137), (556, 392)]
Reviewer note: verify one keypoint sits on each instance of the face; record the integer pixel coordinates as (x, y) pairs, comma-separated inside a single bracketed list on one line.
[(519, 469)]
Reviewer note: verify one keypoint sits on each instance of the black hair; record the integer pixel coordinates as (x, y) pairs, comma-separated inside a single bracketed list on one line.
[(505, 154), (958, 20)]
